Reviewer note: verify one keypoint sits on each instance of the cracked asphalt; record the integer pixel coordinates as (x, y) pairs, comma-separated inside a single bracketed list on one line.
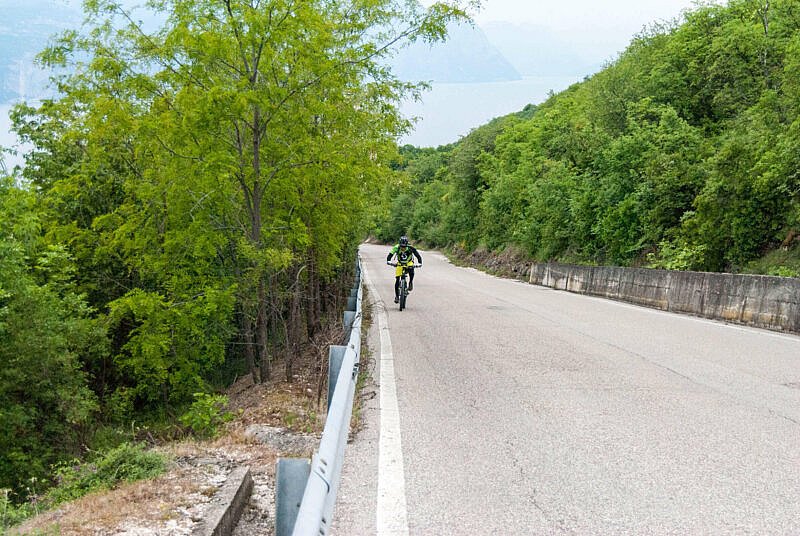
[(525, 410)]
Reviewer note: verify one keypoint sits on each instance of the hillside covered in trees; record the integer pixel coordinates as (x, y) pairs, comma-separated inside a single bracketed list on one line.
[(684, 153), (189, 212)]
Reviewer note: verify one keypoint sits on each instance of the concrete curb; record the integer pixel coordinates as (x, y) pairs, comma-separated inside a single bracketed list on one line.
[(227, 505), (768, 302)]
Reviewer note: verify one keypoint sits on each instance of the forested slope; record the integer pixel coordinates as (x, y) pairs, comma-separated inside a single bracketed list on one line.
[(189, 212), (683, 153)]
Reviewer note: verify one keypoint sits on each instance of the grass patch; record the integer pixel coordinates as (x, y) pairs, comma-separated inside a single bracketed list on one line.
[(366, 361), (784, 263), (125, 463)]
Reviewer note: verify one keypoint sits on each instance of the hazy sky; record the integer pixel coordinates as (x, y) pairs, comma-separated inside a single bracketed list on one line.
[(581, 13), (603, 27)]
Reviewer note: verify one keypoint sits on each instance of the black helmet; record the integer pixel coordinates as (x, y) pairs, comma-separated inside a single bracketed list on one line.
[(404, 240)]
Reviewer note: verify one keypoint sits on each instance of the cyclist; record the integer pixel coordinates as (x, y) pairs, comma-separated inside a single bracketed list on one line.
[(404, 251)]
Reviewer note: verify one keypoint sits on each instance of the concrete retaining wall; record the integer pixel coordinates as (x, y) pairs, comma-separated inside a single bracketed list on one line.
[(755, 300)]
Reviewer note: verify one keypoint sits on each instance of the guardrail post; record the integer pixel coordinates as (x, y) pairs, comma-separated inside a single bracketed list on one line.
[(349, 317), (322, 478), (335, 357), (291, 479)]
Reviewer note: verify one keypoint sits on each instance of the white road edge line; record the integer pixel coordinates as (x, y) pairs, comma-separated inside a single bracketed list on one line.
[(392, 519)]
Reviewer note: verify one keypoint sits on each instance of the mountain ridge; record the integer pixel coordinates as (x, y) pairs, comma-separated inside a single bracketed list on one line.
[(467, 56)]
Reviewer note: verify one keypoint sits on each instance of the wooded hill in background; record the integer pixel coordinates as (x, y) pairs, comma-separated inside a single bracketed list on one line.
[(190, 211), (684, 153)]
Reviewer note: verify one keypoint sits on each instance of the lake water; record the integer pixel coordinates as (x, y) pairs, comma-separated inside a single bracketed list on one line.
[(449, 111)]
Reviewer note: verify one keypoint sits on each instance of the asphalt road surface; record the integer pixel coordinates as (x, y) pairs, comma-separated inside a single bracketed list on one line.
[(504, 408)]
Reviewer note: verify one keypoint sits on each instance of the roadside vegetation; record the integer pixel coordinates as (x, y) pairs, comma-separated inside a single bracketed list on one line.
[(683, 153), (122, 464), (191, 207), (189, 214)]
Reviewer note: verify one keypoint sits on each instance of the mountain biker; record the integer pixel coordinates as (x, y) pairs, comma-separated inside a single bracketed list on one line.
[(404, 252)]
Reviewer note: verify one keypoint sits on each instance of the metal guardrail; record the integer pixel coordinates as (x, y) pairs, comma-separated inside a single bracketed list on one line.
[(306, 493)]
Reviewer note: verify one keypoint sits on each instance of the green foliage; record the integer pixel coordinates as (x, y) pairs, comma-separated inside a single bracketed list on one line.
[(680, 256), (193, 198), (682, 153), (10, 513), (783, 262), (172, 346), (784, 271), (126, 463), (426, 217), (206, 414), (194, 188), (46, 330)]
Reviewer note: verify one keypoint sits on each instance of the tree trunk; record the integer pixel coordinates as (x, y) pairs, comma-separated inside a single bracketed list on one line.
[(249, 347), (312, 297), (255, 321), (265, 367), (275, 319), (294, 327), (332, 296)]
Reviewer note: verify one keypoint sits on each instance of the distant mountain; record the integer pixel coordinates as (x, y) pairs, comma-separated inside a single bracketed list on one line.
[(537, 51), (466, 56), (25, 29)]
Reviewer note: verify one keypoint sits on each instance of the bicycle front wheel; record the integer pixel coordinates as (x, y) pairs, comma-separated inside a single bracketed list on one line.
[(403, 293)]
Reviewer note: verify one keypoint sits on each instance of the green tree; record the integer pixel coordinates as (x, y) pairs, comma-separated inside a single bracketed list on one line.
[(212, 176), (682, 152), (750, 196), (46, 331)]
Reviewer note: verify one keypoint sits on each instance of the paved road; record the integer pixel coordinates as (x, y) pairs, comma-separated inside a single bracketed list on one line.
[(524, 410)]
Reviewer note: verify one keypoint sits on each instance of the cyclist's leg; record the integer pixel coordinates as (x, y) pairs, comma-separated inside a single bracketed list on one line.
[(410, 279), (396, 289)]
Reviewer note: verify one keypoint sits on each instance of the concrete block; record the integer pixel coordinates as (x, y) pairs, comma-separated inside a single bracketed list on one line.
[(762, 301), (227, 505)]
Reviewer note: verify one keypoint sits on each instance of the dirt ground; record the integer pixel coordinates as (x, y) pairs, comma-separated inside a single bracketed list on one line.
[(510, 263), (174, 503)]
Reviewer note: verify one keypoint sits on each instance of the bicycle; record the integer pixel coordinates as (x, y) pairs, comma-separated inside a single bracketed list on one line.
[(404, 280)]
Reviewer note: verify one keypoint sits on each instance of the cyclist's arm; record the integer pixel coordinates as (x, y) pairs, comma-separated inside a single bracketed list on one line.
[(416, 254), (391, 253)]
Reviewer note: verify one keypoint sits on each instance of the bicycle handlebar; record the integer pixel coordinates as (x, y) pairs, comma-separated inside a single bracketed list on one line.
[(395, 264)]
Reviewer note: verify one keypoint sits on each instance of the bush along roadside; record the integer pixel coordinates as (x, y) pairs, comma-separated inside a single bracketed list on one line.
[(125, 463)]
